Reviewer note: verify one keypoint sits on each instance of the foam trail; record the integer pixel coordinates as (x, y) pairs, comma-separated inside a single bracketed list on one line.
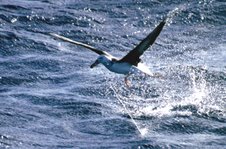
[(141, 131)]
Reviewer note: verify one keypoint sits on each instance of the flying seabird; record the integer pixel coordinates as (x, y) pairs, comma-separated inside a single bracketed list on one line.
[(130, 63)]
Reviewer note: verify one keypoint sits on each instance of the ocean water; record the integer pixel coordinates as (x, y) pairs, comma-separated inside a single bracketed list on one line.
[(50, 98)]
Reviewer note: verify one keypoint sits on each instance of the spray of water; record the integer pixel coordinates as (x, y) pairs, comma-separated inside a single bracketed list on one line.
[(171, 14), (142, 131)]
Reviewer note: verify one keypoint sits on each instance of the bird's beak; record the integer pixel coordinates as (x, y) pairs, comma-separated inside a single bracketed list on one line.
[(94, 64)]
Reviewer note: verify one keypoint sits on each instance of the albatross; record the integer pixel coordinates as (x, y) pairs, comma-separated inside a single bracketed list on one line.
[(128, 64)]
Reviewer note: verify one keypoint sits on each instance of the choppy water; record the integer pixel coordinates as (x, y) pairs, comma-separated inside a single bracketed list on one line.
[(50, 98)]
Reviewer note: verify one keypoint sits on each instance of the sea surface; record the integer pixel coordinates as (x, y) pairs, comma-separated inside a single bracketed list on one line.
[(50, 98)]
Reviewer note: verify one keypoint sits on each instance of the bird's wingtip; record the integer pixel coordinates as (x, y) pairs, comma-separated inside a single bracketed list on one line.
[(54, 34), (165, 19)]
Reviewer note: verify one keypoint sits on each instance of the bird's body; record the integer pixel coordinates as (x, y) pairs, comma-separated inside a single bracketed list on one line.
[(123, 67), (130, 63)]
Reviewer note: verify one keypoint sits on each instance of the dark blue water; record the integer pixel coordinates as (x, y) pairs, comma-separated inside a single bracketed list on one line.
[(50, 98)]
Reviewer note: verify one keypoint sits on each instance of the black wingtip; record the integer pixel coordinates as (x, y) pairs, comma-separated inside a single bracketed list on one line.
[(165, 19), (133, 57)]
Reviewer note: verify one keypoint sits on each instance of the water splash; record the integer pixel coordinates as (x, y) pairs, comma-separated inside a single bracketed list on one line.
[(199, 88), (203, 93), (187, 91)]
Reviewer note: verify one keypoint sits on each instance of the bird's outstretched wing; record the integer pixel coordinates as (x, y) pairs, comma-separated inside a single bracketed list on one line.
[(133, 57), (100, 52)]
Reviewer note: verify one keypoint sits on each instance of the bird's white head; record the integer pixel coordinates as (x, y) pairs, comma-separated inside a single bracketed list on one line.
[(106, 61)]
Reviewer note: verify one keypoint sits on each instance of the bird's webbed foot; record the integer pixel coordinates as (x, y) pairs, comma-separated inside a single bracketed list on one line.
[(127, 82)]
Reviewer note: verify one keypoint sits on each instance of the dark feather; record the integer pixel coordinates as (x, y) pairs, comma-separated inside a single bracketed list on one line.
[(100, 52), (133, 57)]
